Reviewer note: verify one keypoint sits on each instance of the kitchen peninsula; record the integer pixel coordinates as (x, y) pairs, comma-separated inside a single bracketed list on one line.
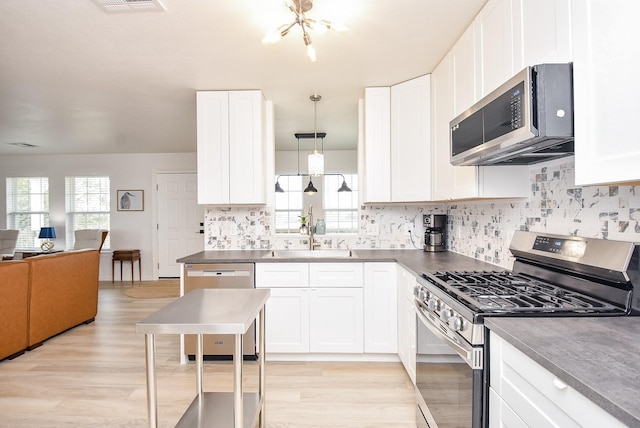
[(598, 385)]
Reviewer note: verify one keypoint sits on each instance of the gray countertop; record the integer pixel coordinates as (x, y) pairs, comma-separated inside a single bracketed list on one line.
[(416, 261), (598, 357)]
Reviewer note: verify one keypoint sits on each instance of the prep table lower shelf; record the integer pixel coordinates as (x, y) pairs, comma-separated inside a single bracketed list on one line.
[(215, 409)]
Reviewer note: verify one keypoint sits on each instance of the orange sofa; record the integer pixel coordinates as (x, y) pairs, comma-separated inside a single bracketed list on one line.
[(14, 308), (63, 292), (46, 295)]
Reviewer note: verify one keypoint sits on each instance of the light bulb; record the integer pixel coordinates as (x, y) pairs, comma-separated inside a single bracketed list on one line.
[(316, 163), (311, 53), (271, 37), (339, 27)]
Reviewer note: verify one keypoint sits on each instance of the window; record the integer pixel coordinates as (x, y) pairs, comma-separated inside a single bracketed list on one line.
[(341, 208), (87, 205), (289, 205), (27, 208)]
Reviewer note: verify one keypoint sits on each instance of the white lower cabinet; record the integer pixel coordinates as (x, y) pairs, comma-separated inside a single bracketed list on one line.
[(525, 394), (406, 321), (380, 308), (287, 320), (335, 320), (314, 307)]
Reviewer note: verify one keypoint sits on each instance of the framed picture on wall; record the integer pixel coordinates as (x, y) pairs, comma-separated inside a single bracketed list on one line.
[(130, 200)]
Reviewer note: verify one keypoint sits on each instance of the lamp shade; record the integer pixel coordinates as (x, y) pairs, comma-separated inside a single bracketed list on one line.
[(310, 190), (344, 187), (316, 163), (47, 233)]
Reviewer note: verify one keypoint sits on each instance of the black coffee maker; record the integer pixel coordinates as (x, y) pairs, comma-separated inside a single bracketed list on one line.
[(435, 226)]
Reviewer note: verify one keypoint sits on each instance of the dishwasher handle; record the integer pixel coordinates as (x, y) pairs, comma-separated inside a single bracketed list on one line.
[(217, 272)]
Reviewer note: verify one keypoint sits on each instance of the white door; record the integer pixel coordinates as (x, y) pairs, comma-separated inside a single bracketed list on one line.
[(179, 219)]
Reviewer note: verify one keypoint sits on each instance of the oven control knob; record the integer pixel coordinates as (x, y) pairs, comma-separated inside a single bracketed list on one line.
[(434, 304), (455, 323), (446, 315)]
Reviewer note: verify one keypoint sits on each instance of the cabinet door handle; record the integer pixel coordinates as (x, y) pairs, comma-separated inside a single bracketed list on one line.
[(559, 384)]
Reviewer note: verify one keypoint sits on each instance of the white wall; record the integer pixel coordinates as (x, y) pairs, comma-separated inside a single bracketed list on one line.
[(126, 171)]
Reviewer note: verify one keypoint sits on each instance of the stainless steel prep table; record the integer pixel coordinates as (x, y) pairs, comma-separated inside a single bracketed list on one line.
[(211, 311)]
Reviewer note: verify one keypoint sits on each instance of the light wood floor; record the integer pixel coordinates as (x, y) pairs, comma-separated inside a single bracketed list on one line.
[(94, 376)]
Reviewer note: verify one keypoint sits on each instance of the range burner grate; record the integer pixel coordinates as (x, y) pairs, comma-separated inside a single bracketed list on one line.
[(510, 293)]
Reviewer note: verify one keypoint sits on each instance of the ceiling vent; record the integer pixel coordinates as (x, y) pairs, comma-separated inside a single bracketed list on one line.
[(25, 145), (113, 6)]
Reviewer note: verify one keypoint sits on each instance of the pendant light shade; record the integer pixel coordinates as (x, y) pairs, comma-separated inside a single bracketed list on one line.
[(344, 187), (310, 190), (279, 188), (316, 163)]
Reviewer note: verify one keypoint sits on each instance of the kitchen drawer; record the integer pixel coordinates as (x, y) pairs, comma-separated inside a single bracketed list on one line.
[(536, 395), (336, 275), (502, 416), (282, 275)]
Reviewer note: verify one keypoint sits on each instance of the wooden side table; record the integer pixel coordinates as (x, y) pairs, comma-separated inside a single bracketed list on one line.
[(126, 256)]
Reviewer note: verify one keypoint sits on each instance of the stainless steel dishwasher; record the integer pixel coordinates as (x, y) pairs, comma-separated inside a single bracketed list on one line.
[(237, 275)]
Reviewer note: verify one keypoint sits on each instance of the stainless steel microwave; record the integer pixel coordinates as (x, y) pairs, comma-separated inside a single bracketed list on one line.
[(526, 120)]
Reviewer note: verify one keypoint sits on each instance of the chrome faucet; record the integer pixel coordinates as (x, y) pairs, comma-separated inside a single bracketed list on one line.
[(312, 243), (310, 217)]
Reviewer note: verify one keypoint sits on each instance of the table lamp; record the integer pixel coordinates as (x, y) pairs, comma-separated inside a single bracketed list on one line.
[(47, 233)]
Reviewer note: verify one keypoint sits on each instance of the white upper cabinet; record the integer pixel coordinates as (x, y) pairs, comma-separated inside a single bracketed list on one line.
[(376, 147), (232, 147), (411, 140), (396, 146), (513, 34), (605, 36), (452, 92), (494, 45), (463, 72), (443, 179), (541, 32)]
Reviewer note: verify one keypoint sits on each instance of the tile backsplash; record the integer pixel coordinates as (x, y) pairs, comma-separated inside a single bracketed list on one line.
[(479, 229), (484, 229)]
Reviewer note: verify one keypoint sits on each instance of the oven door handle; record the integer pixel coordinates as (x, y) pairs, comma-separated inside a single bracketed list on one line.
[(471, 355)]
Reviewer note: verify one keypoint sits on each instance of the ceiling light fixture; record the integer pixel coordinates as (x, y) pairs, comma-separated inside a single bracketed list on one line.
[(316, 160), (299, 8)]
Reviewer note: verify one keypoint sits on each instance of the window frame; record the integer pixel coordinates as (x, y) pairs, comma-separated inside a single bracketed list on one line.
[(76, 219), (352, 211), (292, 186), (27, 239)]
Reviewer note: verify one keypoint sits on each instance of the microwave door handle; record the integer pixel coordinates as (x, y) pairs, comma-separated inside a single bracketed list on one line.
[(464, 353)]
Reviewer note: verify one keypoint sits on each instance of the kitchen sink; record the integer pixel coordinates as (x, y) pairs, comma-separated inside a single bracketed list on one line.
[(310, 254)]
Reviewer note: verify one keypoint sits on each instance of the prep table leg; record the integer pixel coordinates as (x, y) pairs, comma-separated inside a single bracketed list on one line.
[(237, 384), (199, 358), (262, 420), (152, 403)]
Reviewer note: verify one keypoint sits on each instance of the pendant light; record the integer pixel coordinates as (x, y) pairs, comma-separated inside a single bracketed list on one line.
[(310, 190), (344, 187), (315, 159)]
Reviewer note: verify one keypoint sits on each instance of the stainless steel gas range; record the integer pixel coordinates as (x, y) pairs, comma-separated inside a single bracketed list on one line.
[(552, 276)]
